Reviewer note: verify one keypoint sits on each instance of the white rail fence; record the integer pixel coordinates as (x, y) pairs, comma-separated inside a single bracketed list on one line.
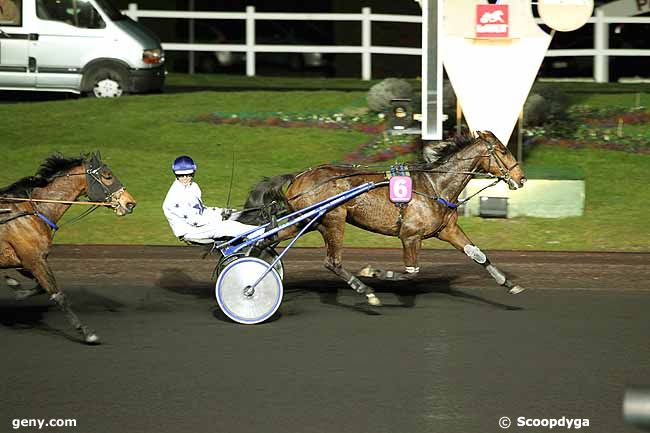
[(600, 52)]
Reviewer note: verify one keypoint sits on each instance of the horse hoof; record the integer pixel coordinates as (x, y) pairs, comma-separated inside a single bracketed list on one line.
[(92, 339), (516, 289), (22, 294), (373, 300), (368, 271), (14, 284)]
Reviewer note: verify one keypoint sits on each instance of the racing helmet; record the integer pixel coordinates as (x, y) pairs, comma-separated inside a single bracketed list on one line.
[(183, 165)]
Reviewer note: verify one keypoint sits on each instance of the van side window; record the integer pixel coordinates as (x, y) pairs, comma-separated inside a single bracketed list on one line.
[(74, 12), (10, 13)]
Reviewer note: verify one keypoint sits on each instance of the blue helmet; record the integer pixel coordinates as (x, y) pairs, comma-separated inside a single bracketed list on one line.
[(184, 165)]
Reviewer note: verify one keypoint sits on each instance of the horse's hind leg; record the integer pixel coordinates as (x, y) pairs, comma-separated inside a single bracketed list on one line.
[(453, 234), (19, 292), (43, 274), (332, 228), (411, 248)]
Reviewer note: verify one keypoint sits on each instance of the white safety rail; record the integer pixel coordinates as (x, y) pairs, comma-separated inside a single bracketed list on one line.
[(600, 52)]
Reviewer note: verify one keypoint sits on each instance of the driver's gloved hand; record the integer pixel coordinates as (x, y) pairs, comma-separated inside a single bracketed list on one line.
[(226, 213)]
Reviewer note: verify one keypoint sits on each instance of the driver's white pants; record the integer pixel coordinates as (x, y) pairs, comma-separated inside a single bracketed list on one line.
[(221, 229)]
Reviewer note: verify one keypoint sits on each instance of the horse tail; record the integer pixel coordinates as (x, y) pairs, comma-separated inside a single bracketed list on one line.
[(265, 199)]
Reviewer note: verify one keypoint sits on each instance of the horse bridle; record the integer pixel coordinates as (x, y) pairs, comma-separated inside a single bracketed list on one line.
[(503, 168), (96, 189)]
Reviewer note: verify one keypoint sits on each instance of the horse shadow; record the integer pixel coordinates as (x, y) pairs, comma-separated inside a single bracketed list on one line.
[(178, 281), (30, 317), (406, 293), (328, 290)]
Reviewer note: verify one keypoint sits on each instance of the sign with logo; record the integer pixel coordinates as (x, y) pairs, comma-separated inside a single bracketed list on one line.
[(401, 189), (492, 21)]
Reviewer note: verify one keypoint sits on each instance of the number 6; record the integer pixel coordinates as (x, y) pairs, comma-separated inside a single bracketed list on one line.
[(400, 189)]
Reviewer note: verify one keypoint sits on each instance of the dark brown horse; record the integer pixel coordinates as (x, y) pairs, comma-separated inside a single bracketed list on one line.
[(432, 211), (31, 208)]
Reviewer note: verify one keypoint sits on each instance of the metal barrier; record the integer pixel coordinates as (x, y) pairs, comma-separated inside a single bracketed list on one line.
[(600, 52)]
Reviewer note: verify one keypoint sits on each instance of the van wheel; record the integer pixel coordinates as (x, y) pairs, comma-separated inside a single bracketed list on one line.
[(107, 83)]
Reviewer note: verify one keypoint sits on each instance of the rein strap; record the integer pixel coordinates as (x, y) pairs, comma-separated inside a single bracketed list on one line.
[(90, 203)]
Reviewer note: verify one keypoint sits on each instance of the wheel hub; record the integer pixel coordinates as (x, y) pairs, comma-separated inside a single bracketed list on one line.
[(107, 88)]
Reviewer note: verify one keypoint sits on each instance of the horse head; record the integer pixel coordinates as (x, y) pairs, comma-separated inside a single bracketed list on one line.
[(103, 186), (499, 161)]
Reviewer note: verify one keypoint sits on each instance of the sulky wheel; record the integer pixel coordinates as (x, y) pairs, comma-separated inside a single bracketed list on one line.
[(268, 255), (239, 300)]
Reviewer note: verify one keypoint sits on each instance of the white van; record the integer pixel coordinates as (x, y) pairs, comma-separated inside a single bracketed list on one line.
[(80, 46)]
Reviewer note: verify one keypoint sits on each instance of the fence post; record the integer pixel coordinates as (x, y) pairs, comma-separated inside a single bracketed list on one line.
[(133, 11), (191, 55), (366, 44), (601, 43), (250, 41)]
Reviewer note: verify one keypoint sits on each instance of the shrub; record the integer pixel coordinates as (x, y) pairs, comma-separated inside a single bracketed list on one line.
[(380, 95)]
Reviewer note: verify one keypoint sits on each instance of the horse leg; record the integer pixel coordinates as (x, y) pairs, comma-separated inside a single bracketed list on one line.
[(22, 294), (332, 228), (411, 248), (45, 277), (453, 234)]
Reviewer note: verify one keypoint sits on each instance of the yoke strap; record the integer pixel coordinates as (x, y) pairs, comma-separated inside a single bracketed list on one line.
[(48, 221)]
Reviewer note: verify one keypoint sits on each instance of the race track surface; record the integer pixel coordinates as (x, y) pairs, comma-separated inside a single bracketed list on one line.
[(449, 352)]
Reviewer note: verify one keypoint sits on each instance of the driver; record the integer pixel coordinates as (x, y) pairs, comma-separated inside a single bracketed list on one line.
[(188, 217)]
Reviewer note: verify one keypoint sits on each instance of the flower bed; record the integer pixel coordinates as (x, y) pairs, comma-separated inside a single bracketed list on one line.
[(382, 146), (607, 128)]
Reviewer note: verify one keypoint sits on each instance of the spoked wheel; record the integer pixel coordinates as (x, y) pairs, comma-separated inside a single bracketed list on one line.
[(239, 300)]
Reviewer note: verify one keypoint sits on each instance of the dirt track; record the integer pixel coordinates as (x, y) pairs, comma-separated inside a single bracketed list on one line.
[(450, 352)]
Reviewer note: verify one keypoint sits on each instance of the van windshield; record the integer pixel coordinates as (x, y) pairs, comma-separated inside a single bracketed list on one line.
[(109, 9)]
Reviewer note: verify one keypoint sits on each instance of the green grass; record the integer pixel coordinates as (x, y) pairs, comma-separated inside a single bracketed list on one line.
[(139, 136), (229, 82)]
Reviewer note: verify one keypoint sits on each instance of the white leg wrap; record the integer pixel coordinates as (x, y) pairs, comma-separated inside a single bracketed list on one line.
[(412, 269), (11, 282), (496, 274), (475, 253)]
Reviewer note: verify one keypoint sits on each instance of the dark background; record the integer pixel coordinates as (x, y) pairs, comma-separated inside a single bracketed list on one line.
[(395, 34)]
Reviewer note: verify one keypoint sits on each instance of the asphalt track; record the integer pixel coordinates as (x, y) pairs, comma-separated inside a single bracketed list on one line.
[(449, 352)]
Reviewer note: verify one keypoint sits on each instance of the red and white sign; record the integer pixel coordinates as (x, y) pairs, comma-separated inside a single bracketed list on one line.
[(492, 21)]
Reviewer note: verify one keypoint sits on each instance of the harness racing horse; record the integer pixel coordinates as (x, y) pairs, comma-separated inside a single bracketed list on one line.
[(432, 211), (32, 207)]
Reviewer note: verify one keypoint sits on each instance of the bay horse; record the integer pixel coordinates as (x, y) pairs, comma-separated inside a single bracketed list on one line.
[(33, 205), (432, 212)]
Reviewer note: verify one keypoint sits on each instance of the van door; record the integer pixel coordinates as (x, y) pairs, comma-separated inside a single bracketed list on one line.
[(14, 47), (70, 32)]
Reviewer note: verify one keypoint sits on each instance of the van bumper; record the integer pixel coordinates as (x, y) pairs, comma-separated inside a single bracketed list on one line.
[(147, 80)]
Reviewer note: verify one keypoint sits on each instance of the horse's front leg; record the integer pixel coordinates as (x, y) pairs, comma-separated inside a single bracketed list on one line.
[(411, 249), (38, 266), (453, 234)]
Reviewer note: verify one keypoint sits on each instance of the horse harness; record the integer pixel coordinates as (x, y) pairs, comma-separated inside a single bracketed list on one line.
[(96, 190)]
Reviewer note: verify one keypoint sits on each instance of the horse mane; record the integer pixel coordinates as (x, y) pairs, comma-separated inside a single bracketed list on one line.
[(48, 171), (437, 153), (268, 190)]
